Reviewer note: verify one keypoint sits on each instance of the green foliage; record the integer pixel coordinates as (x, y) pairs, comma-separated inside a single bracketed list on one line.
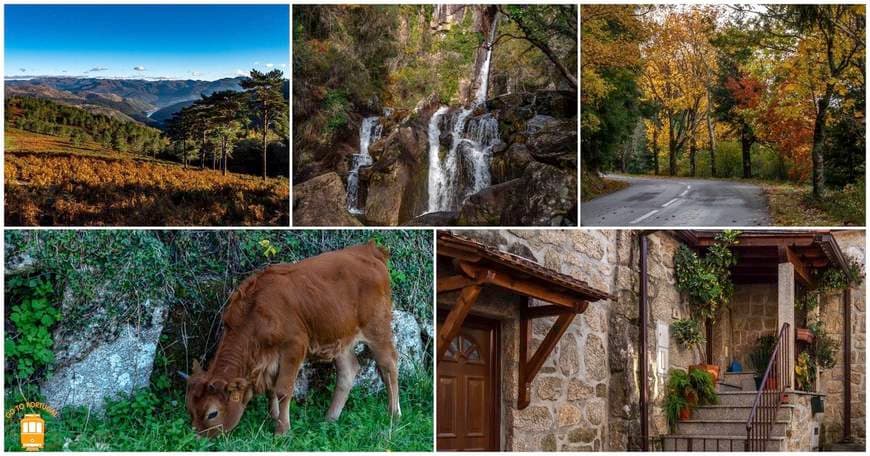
[(707, 280), (687, 332), (824, 348), (761, 353), (704, 387), (153, 420), (616, 116), (47, 117), (674, 403), (688, 390), (29, 342)]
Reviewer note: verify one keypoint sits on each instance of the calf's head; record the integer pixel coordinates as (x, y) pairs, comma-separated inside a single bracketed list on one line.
[(215, 405)]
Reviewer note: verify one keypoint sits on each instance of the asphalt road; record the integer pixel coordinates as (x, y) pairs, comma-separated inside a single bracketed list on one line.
[(677, 202)]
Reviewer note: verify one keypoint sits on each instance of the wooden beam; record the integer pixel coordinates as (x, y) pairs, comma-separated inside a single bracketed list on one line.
[(528, 369), (552, 311), (453, 323), (800, 270), (457, 253), (520, 286), (453, 283)]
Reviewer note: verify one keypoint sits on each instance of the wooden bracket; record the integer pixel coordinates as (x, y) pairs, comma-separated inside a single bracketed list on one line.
[(529, 367), (453, 322)]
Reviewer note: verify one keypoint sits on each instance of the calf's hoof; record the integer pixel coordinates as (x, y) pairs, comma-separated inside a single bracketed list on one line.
[(281, 427)]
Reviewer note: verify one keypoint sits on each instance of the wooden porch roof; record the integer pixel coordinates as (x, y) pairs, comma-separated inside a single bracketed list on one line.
[(760, 252), (478, 265), (518, 268)]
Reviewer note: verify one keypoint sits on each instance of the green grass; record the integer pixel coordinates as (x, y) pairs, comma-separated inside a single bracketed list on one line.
[(159, 422)]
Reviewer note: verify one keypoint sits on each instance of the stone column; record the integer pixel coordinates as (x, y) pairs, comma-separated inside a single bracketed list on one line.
[(785, 314)]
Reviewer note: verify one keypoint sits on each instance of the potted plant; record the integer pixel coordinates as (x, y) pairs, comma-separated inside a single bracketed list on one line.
[(804, 372), (680, 397), (804, 335), (687, 332), (759, 357), (704, 385), (706, 281)]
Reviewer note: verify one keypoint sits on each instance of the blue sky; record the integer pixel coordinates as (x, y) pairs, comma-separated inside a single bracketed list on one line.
[(145, 41)]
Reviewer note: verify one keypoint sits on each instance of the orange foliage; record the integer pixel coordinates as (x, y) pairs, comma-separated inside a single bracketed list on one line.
[(71, 189)]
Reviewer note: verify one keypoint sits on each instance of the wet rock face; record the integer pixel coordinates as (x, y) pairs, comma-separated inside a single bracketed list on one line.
[(321, 201)]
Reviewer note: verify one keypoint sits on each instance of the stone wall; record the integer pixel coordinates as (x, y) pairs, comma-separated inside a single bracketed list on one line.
[(752, 312), (799, 432), (831, 381)]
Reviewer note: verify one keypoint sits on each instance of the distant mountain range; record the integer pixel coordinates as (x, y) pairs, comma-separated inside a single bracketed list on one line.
[(147, 101)]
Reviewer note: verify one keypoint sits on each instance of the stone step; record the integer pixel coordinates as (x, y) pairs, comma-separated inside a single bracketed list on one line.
[(736, 443), (743, 380), (723, 427), (726, 412), (737, 398)]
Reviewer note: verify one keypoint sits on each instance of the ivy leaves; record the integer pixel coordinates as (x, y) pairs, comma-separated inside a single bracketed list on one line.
[(29, 345), (707, 280)]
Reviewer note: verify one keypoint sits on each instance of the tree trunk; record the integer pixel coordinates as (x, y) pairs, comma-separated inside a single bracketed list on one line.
[(693, 148), (655, 150), (265, 144), (746, 147), (672, 152), (819, 142), (224, 156), (711, 133)]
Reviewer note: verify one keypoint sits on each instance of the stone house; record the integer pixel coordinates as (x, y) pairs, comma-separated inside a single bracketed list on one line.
[(597, 386)]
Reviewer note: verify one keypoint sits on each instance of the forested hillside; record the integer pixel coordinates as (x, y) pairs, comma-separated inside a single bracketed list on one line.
[(80, 126), (373, 145), (769, 92), (66, 165)]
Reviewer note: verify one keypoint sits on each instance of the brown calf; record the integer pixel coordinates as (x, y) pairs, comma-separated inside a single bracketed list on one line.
[(317, 308)]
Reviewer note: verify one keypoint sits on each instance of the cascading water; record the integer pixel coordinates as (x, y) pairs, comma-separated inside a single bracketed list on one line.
[(369, 132), (470, 149)]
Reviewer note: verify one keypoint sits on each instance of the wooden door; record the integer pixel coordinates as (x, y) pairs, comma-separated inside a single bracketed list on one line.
[(468, 400)]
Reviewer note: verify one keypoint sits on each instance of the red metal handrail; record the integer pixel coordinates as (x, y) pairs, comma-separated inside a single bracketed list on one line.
[(769, 396)]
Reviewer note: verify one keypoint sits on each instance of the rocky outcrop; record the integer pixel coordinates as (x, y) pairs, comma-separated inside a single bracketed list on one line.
[(321, 201)]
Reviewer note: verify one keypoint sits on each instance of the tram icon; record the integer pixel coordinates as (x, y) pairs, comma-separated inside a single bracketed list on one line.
[(32, 432)]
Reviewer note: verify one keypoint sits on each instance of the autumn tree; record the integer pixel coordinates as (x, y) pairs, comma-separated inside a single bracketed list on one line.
[(675, 76), (610, 68), (820, 49)]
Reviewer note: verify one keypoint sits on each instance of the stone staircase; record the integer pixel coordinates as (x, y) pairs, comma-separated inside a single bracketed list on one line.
[(722, 427)]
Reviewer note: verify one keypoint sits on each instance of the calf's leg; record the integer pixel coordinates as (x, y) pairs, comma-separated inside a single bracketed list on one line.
[(291, 362), (274, 411), (387, 361), (346, 368)]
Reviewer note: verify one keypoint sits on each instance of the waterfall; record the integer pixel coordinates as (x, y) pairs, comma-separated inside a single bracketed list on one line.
[(464, 170), (437, 175), (369, 132)]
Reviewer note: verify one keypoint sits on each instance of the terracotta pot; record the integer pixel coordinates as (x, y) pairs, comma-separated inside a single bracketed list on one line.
[(804, 335), (713, 369), (685, 413), (771, 383)]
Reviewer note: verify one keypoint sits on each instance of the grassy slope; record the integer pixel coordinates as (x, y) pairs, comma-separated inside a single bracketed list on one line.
[(151, 422), (50, 181)]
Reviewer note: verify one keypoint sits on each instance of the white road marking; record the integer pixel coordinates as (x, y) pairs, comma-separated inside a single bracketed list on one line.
[(643, 217), (669, 203), (686, 190)]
